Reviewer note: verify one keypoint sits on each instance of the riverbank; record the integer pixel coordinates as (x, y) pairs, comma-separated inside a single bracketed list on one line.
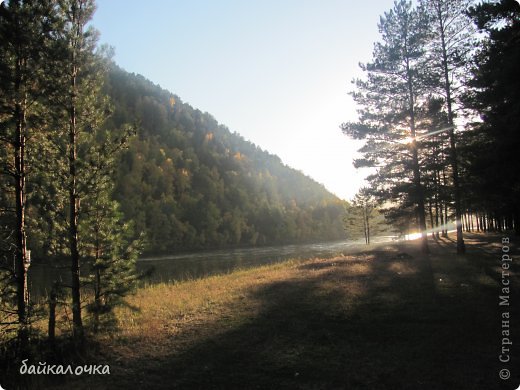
[(384, 318), (192, 265)]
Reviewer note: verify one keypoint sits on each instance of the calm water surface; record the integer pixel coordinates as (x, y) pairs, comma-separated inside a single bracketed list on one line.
[(205, 263)]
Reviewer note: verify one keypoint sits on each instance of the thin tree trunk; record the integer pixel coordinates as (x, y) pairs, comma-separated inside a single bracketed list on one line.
[(461, 249), (73, 235), (419, 192), (446, 219), (74, 208), (365, 231), (420, 197), (21, 259), (97, 283), (437, 204), (443, 223), (430, 208), (491, 223), (367, 225), (444, 210), (97, 300), (52, 316)]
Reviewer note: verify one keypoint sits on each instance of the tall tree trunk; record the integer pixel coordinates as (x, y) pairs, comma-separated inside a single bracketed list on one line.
[(419, 193), (21, 259), (73, 212), (461, 249)]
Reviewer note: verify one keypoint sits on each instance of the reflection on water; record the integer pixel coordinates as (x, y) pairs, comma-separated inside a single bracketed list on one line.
[(200, 264)]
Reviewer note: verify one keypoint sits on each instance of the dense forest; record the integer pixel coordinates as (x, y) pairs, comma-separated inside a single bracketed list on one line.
[(188, 182), (438, 110)]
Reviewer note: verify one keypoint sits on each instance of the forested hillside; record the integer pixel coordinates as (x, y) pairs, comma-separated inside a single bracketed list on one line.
[(188, 182), (98, 166)]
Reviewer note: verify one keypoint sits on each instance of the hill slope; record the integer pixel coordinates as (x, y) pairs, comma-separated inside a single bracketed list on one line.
[(190, 183)]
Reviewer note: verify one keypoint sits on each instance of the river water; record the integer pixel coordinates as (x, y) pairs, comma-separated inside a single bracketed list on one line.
[(199, 264)]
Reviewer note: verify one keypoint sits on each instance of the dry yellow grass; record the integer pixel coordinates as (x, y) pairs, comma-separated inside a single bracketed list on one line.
[(168, 316), (343, 322), (158, 313)]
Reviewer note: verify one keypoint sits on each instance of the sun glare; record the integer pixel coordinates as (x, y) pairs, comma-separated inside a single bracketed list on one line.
[(413, 236), (407, 141)]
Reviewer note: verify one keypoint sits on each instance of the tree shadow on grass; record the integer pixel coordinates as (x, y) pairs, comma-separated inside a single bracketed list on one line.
[(318, 333), (373, 321)]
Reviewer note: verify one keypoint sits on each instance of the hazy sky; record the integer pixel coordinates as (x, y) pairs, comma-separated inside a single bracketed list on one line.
[(276, 71)]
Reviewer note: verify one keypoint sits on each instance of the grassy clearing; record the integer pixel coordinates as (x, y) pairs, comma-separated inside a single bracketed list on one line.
[(388, 318)]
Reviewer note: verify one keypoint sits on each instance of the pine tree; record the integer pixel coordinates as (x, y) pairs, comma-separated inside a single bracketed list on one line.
[(85, 153), (389, 101), (360, 215), (26, 29), (450, 34), (111, 251), (493, 92), (436, 163), (80, 110)]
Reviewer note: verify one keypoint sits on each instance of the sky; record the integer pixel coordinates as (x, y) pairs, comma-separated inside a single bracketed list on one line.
[(277, 72)]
